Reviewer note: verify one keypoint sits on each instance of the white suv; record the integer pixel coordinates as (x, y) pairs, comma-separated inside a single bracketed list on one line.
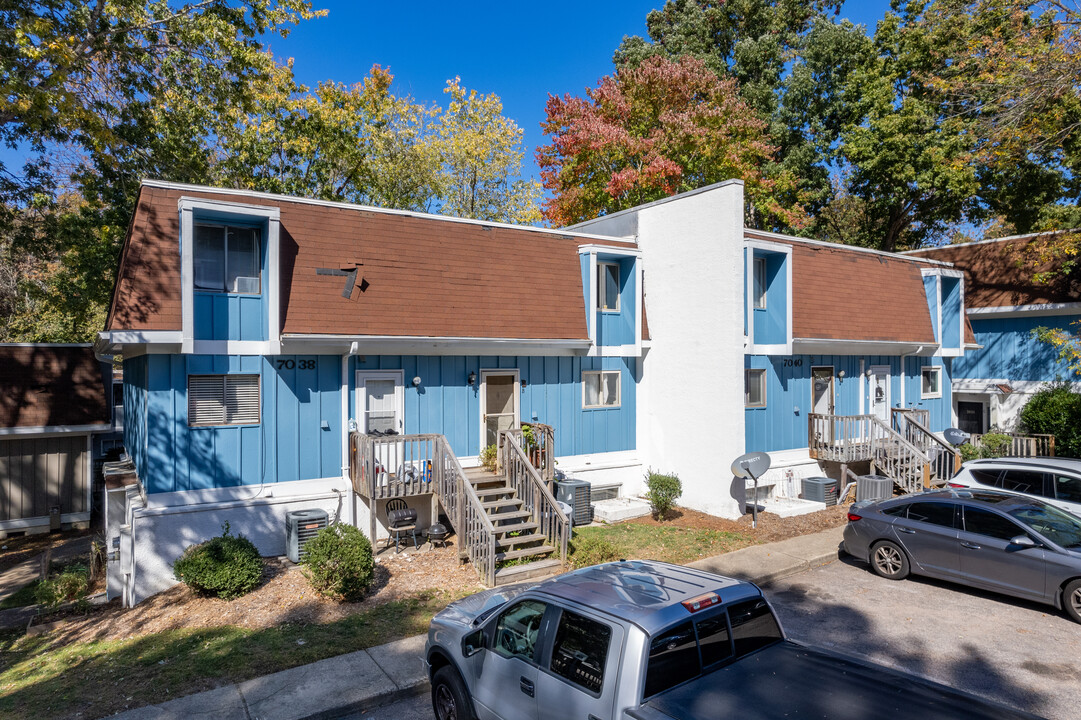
[(1054, 480)]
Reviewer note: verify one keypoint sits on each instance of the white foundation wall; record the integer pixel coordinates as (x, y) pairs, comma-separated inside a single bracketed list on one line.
[(690, 398)]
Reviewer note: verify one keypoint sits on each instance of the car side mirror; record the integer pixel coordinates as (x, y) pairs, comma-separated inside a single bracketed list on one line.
[(473, 643), (1023, 541)]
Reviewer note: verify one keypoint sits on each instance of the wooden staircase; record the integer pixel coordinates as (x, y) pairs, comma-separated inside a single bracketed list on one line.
[(516, 532)]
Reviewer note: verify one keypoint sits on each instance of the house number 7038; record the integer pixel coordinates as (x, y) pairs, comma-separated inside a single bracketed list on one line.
[(302, 364)]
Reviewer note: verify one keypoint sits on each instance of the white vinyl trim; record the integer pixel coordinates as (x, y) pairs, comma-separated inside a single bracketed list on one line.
[(398, 378), (934, 370), (56, 429), (484, 374)]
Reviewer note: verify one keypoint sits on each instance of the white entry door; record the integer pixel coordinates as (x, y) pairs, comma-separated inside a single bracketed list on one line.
[(498, 404), (880, 392), (380, 401), (822, 390)]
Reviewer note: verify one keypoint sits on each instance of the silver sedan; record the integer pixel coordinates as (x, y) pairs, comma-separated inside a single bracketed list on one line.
[(986, 539)]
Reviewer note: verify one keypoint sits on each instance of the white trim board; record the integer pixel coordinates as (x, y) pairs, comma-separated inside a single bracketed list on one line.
[(1049, 309), (46, 430), (750, 346)]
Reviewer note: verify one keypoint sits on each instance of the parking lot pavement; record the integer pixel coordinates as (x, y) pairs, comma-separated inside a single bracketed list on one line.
[(1019, 653), (417, 707)]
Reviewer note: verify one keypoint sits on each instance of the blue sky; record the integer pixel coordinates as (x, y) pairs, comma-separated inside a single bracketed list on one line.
[(522, 51)]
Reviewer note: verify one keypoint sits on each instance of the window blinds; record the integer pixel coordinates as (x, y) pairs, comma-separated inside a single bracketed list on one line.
[(223, 400)]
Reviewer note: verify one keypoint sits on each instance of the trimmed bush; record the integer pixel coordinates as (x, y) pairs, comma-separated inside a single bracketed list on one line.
[(71, 583), (226, 566), (662, 491), (1055, 409), (339, 563), (591, 550)]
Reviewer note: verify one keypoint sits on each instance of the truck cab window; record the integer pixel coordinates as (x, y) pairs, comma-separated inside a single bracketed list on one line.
[(580, 651), (673, 658), (517, 629), (753, 626)]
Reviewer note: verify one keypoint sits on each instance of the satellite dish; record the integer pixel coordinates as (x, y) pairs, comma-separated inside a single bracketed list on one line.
[(955, 437), (751, 466)]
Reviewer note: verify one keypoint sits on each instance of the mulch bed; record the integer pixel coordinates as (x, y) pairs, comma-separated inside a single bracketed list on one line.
[(771, 528)]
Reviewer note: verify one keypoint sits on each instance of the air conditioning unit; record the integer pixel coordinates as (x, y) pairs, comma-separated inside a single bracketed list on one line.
[(873, 487), (576, 494), (820, 489), (300, 527)]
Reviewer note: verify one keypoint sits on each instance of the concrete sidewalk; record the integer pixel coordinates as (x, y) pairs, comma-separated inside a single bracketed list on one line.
[(366, 679)]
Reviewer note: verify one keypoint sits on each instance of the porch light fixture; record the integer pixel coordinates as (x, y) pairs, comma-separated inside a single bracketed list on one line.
[(472, 379), (416, 381), (841, 374)]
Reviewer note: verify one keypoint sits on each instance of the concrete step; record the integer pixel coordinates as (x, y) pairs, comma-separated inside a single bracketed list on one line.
[(524, 552), (518, 573), (518, 540)]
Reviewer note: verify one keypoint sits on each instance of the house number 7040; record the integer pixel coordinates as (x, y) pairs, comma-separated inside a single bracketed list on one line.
[(789, 362)]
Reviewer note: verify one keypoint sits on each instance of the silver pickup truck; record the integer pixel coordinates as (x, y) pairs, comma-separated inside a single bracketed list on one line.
[(652, 641)]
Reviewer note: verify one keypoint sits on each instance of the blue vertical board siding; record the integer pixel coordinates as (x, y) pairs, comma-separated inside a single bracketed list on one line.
[(951, 312), (779, 426), (299, 394), (226, 316), (1011, 353), (551, 393), (930, 289), (617, 328), (135, 395), (771, 323)]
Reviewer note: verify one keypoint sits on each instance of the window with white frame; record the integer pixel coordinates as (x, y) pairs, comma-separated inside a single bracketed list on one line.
[(754, 388), (600, 388), (759, 266), (608, 286), (223, 400), (226, 258), (931, 381)]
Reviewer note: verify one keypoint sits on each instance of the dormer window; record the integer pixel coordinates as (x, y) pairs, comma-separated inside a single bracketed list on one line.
[(608, 287), (226, 259)]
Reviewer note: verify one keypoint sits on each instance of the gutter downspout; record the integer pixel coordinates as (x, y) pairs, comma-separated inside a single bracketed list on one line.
[(917, 351)]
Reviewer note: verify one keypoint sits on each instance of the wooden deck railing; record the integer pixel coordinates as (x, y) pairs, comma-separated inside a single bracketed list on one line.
[(1024, 445), (542, 450), (912, 424), (389, 466), (535, 495), (852, 438)]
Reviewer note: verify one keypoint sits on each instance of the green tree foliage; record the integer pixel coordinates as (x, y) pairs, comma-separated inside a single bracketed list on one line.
[(791, 59), (1056, 410), (1068, 344), (651, 131)]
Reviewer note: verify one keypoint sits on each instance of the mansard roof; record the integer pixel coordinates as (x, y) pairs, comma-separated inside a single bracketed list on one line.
[(50, 385)]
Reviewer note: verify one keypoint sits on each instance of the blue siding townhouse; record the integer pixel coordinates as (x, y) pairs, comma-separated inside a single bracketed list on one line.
[(259, 331)]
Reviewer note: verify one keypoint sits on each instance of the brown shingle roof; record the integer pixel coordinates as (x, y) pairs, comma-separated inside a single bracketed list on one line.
[(1000, 273), (51, 385), (425, 276), (845, 294)]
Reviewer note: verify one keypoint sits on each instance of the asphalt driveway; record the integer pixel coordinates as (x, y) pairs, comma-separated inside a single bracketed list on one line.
[(1019, 653)]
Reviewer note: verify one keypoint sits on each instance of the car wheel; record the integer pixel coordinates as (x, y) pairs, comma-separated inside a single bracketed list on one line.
[(1071, 600), (450, 699), (889, 561)]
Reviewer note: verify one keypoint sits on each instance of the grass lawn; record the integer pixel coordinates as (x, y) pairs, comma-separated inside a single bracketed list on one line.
[(26, 595), (45, 677), (637, 541)]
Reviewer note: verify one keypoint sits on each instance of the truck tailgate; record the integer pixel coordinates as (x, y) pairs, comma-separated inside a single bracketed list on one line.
[(788, 680)]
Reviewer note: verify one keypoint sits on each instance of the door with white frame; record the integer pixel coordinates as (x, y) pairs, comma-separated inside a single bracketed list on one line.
[(381, 411), (499, 405), (880, 392), (822, 397)]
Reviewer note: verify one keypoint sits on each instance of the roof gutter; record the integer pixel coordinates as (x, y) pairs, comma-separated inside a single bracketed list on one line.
[(426, 345), (906, 355)]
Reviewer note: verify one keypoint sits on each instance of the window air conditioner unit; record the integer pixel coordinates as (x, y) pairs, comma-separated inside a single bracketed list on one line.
[(300, 527), (246, 285)]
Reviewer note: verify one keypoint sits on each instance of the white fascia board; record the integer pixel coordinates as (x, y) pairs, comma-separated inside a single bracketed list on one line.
[(839, 246), (235, 347), (618, 351), (1011, 238), (988, 386), (225, 207), (1048, 309), (419, 345), (112, 341), (596, 249), (830, 346), (276, 197), (57, 429), (760, 349), (942, 271)]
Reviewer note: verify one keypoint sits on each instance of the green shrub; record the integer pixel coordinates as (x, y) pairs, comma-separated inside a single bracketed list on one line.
[(994, 444), (662, 491), (592, 550), (1055, 410), (339, 563), (969, 452), (489, 458), (226, 566), (71, 583)]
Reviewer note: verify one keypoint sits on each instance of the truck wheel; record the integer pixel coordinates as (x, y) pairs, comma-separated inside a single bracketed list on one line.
[(889, 561), (450, 699), (1071, 600)]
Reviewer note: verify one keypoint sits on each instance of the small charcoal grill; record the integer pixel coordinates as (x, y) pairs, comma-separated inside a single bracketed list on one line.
[(438, 533), (401, 520)]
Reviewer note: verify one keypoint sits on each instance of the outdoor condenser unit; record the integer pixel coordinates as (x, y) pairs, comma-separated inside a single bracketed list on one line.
[(820, 489), (576, 494), (300, 527), (873, 487)]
